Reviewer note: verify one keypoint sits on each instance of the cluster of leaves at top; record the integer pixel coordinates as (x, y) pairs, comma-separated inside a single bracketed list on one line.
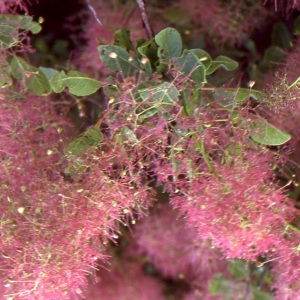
[(163, 125)]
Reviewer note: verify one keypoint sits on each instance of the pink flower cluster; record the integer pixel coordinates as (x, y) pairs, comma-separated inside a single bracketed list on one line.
[(176, 251), (11, 6), (229, 22), (53, 228)]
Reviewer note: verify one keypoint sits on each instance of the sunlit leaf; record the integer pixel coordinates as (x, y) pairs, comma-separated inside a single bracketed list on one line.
[(169, 44), (20, 69), (80, 84), (164, 93), (10, 26), (9, 36), (117, 59), (39, 83), (203, 57), (268, 134), (160, 98), (149, 52), (223, 62), (231, 97), (32, 78), (58, 82), (188, 64)]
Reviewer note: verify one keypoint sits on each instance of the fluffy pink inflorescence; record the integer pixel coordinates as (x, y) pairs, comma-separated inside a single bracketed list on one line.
[(125, 280), (53, 228), (11, 6), (226, 22), (285, 270), (175, 249), (240, 210)]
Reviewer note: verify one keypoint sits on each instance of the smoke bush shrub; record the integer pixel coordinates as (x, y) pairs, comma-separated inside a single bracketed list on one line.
[(213, 150)]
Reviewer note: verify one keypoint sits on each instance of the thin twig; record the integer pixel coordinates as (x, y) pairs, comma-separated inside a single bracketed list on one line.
[(262, 277), (148, 28), (91, 8)]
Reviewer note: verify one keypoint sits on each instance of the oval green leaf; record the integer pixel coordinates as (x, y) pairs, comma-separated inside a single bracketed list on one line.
[(169, 44), (188, 64), (39, 83), (117, 59), (80, 84), (90, 138), (224, 62), (267, 134)]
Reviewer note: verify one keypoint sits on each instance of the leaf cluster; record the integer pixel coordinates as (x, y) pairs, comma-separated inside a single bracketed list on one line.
[(184, 75)]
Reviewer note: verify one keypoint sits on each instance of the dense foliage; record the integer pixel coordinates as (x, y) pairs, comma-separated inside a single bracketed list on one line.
[(153, 159)]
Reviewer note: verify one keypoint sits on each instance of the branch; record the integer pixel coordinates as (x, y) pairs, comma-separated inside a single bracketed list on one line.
[(148, 28), (91, 8)]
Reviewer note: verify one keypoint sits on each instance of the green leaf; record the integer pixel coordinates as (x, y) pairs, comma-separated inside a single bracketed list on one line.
[(190, 100), (296, 30), (148, 50), (10, 26), (273, 54), (48, 72), (117, 59), (122, 39), (20, 22), (112, 90), (80, 84), (58, 82), (142, 86), (224, 62), (165, 93), (9, 36), (129, 135), (169, 44), (39, 83), (185, 98), (5, 80), (203, 57), (260, 295), (268, 134), (20, 69), (237, 269), (90, 138), (33, 79), (191, 66), (218, 284), (232, 97), (281, 36), (159, 99), (250, 46)]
